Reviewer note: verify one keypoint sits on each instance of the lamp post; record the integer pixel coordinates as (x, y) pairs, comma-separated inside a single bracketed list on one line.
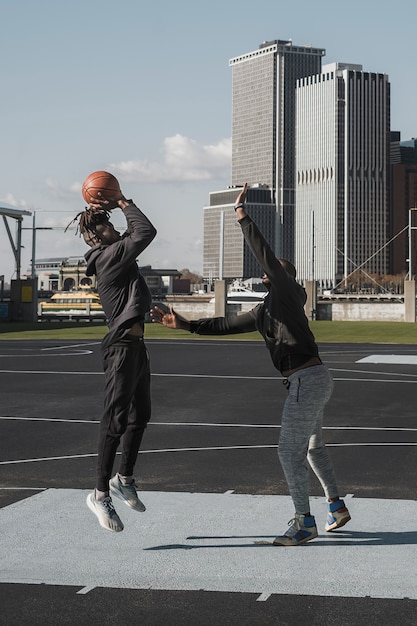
[(33, 263), (34, 228)]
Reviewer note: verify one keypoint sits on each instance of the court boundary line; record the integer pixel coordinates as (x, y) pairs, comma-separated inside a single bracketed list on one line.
[(208, 449), (212, 424)]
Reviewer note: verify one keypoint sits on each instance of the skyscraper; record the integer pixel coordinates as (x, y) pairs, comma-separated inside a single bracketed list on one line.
[(263, 124), (404, 204), (226, 254), (263, 153), (342, 162)]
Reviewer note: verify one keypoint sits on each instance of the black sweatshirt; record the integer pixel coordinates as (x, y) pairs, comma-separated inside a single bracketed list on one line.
[(280, 318), (123, 292)]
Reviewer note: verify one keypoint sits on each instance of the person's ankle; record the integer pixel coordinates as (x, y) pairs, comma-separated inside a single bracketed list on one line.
[(125, 480), (100, 495)]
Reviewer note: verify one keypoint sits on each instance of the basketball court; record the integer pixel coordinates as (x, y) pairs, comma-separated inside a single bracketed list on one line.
[(213, 487)]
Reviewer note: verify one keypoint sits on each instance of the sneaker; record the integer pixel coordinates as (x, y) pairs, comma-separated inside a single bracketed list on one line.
[(302, 528), (337, 515), (127, 493), (105, 512)]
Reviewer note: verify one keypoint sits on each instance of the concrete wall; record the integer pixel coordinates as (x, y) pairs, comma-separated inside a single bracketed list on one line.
[(361, 311), (339, 311)]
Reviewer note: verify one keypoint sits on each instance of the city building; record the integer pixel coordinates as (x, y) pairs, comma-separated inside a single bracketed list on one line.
[(263, 155), (68, 274), (263, 125), (226, 254), (342, 174), (404, 204)]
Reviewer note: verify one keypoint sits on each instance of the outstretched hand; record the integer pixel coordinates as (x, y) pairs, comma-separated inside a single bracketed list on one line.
[(242, 196), (167, 318)]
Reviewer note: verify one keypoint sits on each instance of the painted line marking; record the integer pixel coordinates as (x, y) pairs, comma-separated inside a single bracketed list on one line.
[(23, 488), (234, 377), (85, 590), (356, 371), (211, 424), (263, 597), (79, 373), (400, 359), (75, 345), (207, 449), (40, 355)]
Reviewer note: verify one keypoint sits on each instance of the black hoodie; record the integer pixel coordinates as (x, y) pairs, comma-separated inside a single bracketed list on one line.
[(280, 318), (123, 292)]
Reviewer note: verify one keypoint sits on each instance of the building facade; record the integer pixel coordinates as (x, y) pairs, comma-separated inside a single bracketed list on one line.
[(226, 254), (263, 125), (68, 274), (342, 174), (404, 205)]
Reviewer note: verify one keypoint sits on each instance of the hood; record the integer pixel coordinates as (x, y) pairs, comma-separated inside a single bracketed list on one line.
[(91, 257)]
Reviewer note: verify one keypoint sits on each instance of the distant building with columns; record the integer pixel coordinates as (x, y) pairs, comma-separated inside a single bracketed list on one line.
[(68, 274)]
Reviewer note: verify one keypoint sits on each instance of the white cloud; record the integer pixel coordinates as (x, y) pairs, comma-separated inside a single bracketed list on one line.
[(10, 199), (62, 190), (183, 159)]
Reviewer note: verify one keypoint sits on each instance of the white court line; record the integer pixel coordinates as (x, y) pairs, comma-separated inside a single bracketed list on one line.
[(62, 373), (24, 488), (401, 359), (207, 449), (336, 369), (227, 377), (86, 590), (263, 597), (75, 345), (212, 424), (37, 355)]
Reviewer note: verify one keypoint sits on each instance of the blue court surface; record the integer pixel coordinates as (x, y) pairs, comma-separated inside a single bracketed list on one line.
[(210, 478)]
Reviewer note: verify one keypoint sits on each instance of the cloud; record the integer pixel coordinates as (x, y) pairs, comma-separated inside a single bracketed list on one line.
[(183, 159), (60, 190), (12, 201)]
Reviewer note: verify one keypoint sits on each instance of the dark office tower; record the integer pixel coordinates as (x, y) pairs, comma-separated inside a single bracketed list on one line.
[(404, 205), (263, 125)]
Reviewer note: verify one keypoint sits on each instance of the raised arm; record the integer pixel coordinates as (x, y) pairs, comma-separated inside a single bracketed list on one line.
[(257, 242)]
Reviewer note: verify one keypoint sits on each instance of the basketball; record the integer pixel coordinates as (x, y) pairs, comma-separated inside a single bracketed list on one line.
[(102, 182)]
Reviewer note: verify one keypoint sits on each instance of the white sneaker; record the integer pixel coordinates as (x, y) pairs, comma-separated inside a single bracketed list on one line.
[(105, 512), (127, 493)]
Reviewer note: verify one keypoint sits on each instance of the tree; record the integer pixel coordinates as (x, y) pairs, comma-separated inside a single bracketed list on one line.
[(193, 277)]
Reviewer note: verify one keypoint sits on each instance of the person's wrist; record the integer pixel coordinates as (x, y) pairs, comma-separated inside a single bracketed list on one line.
[(124, 202), (239, 205)]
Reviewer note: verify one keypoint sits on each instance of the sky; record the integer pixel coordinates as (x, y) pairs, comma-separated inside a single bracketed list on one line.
[(143, 89)]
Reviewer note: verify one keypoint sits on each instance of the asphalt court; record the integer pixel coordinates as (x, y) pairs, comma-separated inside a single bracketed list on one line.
[(211, 479)]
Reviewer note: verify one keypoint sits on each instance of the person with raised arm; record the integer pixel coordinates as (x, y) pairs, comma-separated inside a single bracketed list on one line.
[(282, 322)]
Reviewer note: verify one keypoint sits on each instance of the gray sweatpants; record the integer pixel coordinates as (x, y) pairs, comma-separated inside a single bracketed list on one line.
[(301, 435)]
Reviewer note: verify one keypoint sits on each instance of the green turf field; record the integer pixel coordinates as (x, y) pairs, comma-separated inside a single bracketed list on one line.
[(324, 331)]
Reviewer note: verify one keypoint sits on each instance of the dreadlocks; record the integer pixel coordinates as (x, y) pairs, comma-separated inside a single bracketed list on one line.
[(88, 220)]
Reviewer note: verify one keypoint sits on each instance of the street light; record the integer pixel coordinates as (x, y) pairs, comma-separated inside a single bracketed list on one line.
[(33, 265), (34, 229)]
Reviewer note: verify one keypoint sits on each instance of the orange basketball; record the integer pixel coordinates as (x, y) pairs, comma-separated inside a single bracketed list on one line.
[(102, 182)]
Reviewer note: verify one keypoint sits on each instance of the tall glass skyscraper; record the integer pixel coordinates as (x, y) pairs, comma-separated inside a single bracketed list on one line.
[(263, 124), (342, 162), (263, 153)]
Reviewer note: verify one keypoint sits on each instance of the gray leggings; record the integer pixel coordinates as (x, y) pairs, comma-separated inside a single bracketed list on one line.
[(301, 435)]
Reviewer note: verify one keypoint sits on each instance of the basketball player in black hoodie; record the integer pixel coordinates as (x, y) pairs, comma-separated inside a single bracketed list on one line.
[(125, 298)]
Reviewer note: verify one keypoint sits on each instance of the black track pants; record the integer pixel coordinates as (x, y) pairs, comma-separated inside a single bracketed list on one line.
[(127, 407)]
